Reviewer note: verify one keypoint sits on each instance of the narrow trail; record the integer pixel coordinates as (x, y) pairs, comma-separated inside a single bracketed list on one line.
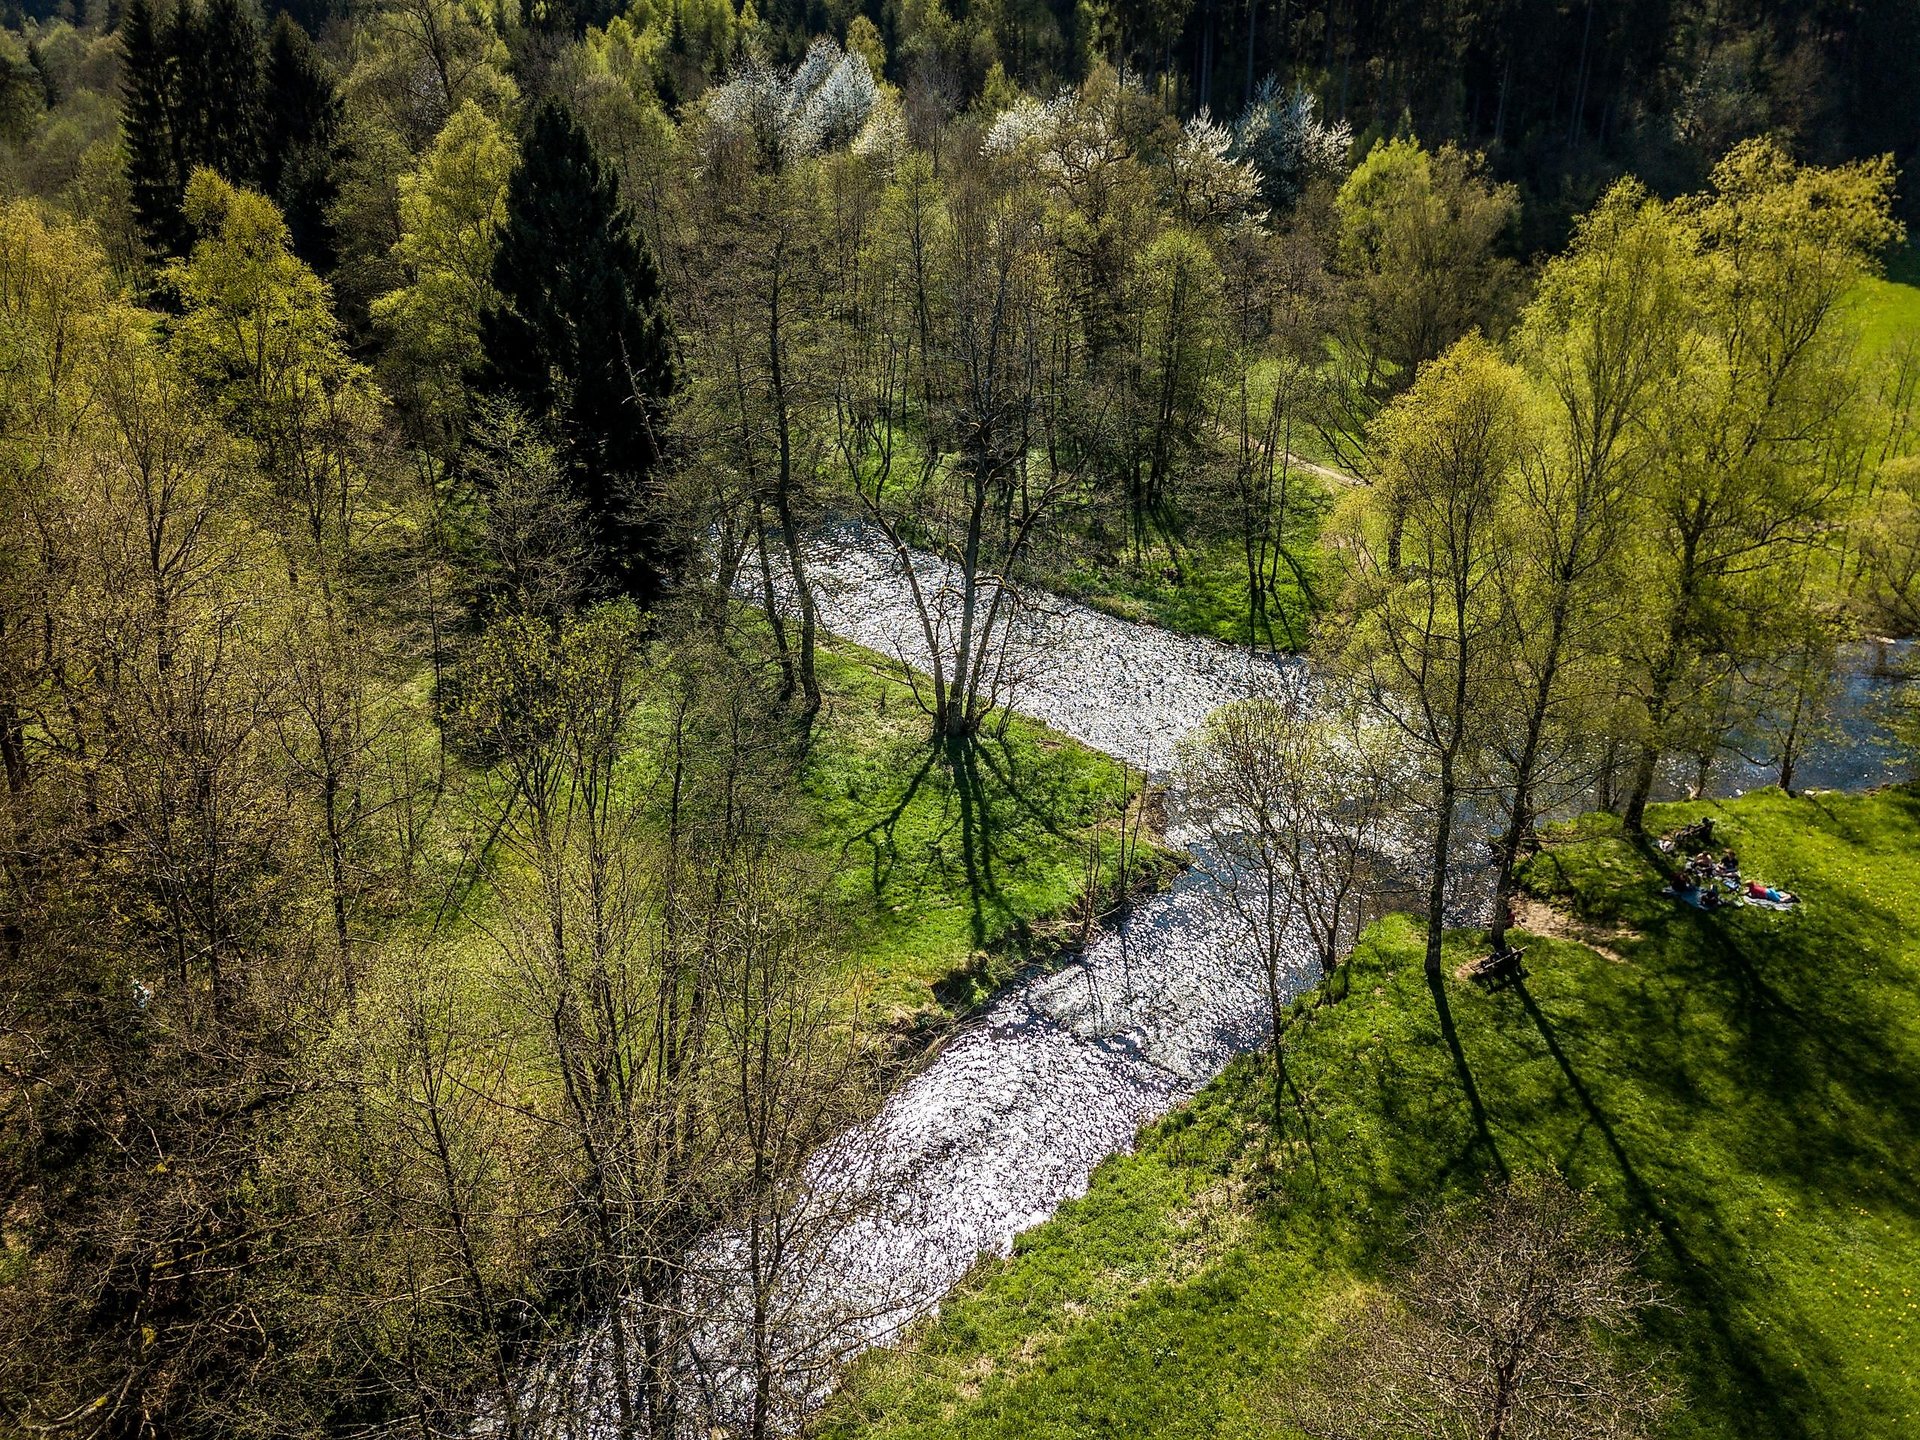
[(1339, 478)]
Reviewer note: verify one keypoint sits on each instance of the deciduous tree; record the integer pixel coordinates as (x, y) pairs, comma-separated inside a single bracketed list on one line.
[(1508, 1323), (1428, 623), (1758, 427), (1604, 337)]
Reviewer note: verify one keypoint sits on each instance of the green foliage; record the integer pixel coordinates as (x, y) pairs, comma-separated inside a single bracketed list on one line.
[(863, 39), (257, 326), (452, 209), (219, 112), (206, 91), (1730, 1087), (229, 586), (628, 51), (1761, 433), (22, 93), (300, 141), (520, 682), (1199, 588), (415, 62), (152, 169), (1419, 233)]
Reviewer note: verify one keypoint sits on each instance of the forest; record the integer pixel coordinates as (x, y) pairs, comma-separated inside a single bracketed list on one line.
[(590, 596)]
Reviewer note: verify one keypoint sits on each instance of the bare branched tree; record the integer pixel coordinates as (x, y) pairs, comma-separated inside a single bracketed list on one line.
[(963, 351), (1511, 1323), (1290, 801)]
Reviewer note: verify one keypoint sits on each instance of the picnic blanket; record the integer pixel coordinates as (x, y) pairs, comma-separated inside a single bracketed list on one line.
[(1692, 897)]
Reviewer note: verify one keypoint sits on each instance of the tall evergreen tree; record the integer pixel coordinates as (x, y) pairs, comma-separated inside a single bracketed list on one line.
[(581, 339), (146, 119), (221, 106), (300, 141)]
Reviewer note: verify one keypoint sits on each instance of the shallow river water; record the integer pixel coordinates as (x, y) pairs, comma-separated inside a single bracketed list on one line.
[(1008, 1118)]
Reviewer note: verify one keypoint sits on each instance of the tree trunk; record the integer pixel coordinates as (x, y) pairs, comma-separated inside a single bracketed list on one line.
[(1437, 888), (1647, 766), (783, 496), (1519, 821)]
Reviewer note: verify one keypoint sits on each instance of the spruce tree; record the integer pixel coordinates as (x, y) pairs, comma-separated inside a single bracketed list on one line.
[(581, 339), (300, 142), (221, 107), (146, 119)]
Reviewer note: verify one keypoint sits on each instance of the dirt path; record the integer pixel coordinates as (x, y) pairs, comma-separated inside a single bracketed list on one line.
[(1537, 917), (1325, 472)]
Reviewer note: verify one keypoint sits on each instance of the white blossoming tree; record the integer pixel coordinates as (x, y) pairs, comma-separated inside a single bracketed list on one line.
[(1283, 138)]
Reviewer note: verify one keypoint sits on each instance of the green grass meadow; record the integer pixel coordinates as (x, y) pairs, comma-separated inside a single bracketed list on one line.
[(955, 866), (1737, 1089), (1200, 590), (1890, 308)]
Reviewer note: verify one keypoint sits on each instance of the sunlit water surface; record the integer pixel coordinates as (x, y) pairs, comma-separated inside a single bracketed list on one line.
[(1008, 1118)]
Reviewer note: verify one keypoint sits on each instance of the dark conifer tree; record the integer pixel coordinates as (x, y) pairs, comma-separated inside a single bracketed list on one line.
[(582, 340), (147, 120), (217, 55), (300, 142)]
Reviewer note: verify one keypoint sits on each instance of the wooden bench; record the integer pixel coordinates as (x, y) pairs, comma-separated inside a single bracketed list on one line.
[(1503, 967)]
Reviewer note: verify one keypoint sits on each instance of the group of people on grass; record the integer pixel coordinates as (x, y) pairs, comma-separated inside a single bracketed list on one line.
[(1708, 883)]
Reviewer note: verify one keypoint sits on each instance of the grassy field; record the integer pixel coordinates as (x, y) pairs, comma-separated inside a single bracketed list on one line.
[(1890, 309), (1738, 1089), (954, 867), (1202, 590)]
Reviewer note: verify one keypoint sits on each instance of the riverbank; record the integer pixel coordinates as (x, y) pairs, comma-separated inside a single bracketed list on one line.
[(1201, 588), (953, 870), (1735, 1088)]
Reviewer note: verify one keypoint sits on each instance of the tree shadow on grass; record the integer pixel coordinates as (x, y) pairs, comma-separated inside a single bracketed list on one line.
[(1806, 997), (882, 837), (982, 831), (1042, 807), (980, 828), (1449, 1032), (1797, 1070), (1704, 1281)]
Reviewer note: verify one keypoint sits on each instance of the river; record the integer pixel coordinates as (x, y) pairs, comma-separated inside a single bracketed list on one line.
[(1008, 1118)]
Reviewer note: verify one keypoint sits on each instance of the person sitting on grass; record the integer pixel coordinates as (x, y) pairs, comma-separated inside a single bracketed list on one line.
[(1697, 836), (1703, 870), (1684, 890)]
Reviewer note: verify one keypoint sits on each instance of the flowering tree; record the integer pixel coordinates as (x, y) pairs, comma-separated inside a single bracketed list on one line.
[(821, 105), (1282, 138)]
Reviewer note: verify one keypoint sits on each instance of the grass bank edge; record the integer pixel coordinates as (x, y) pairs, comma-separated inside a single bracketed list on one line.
[(1728, 1085)]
